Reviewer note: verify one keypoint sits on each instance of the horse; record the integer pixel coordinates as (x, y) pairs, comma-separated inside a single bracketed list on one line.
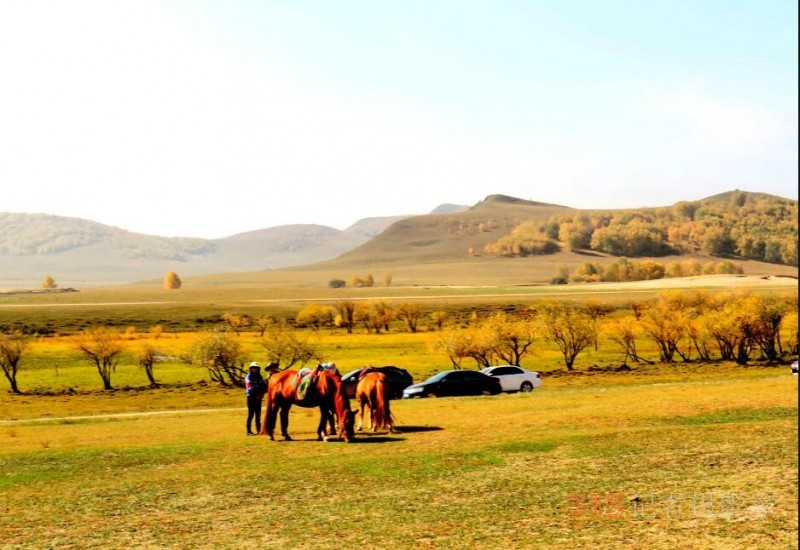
[(373, 392), (325, 391)]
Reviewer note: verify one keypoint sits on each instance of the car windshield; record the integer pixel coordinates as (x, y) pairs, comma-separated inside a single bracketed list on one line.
[(351, 374)]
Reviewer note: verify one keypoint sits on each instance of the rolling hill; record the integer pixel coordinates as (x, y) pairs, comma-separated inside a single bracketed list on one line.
[(446, 247), (79, 252)]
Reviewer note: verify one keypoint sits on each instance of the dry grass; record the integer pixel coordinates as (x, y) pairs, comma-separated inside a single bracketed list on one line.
[(503, 471)]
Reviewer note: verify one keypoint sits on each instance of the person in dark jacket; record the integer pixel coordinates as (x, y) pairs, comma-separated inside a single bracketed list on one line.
[(255, 388)]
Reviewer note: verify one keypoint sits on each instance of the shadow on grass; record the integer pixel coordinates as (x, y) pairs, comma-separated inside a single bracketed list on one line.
[(414, 429)]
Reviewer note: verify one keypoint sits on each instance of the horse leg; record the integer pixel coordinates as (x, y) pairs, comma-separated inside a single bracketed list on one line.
[(271, 416), (284, 412), (361, 405), (323, 423)]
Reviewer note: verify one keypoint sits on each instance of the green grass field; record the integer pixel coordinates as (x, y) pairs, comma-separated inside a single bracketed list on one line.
[(695, 460), (661, 456)]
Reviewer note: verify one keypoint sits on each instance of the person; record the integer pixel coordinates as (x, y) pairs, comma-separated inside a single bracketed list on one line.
[(255, 388), (272, 368)]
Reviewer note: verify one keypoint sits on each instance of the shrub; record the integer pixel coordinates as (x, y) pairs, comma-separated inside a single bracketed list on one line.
[(337, 283)]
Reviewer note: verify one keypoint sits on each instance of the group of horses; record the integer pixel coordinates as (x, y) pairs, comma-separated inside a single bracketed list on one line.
[(324, 389)]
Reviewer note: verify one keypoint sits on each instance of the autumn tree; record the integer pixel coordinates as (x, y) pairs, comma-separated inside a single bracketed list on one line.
[(387, 279), (103, 347), (262, 322), (454, 343), (346, 310), (236, 322), (147, 356), (286, 347), (172, 281), (12, 349), (624, 333), (511, 338), (49, 282), (595, 309), (156, 331), (440, 318), (664, 323), (220, 354), (568, 327), (315, 316), (409, 314)]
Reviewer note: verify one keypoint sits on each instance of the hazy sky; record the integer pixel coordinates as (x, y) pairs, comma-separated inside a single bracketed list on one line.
[(210, 118)]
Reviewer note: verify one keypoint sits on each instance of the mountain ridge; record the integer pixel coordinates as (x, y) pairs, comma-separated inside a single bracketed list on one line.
[(84, 253)]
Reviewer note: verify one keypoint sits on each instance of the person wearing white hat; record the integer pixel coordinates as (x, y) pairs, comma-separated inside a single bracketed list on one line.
[(255, 388)]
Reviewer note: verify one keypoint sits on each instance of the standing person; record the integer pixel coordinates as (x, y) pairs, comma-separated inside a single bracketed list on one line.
[(255, 388)]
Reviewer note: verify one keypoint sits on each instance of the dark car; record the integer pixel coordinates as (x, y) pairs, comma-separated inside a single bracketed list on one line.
[(399, 379), (455, 382)]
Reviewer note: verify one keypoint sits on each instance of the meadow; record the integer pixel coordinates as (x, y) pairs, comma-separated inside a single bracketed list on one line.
[(691, 455), (696, 459)]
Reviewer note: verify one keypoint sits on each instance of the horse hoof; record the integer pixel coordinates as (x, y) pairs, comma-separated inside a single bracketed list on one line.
[(287, 438)]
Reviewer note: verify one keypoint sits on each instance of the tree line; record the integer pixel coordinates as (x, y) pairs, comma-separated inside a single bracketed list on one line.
[(752, 226), (683, 326)]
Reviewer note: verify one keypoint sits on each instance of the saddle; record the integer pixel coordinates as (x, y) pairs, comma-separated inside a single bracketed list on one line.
[(303, 381), (365, 371)]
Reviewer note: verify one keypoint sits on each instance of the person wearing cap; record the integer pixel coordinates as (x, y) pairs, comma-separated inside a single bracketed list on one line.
[(255, 388)]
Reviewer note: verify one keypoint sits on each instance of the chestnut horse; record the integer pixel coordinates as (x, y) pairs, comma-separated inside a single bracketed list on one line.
[(373, 392), (326, 392)]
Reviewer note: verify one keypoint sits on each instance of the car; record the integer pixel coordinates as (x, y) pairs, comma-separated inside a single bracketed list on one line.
[(513, 378), (399, 379), (454, 382), (794, 368)]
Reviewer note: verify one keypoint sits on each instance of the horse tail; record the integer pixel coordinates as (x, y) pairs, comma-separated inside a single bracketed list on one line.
[(266, 429), (381, 410)]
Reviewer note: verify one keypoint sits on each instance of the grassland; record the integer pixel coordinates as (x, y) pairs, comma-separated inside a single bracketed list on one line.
[(696, 460), (659, 456)]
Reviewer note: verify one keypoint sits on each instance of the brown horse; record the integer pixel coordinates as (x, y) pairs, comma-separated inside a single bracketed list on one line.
[(373, 392), (325, 392)]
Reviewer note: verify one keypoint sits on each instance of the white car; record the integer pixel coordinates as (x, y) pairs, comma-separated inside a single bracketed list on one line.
[(794, 368), (514, 378)]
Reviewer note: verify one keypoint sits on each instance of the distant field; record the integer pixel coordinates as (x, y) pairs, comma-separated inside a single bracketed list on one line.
[(284, 293), (692, 458)]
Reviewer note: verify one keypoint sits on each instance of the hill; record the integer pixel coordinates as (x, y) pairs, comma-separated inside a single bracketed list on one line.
[(450, 246), (78, 252)]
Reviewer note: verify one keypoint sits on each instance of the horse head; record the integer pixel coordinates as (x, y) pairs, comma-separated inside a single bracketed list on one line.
[(347, 426)]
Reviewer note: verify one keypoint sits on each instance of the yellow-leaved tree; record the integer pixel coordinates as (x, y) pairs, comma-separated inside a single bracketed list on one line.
[(49, 282), (172, 281)]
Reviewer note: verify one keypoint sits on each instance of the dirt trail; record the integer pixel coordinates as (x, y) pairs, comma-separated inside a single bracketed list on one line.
[(114, 415)]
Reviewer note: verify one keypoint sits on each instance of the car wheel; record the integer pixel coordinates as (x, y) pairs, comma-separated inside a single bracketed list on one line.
[(526, 387)]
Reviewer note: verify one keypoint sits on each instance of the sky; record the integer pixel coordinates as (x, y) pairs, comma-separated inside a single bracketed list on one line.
[(210, 118)]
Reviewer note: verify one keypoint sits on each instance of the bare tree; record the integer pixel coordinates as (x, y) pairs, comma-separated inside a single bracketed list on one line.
[(12, 348), (102, 346)]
